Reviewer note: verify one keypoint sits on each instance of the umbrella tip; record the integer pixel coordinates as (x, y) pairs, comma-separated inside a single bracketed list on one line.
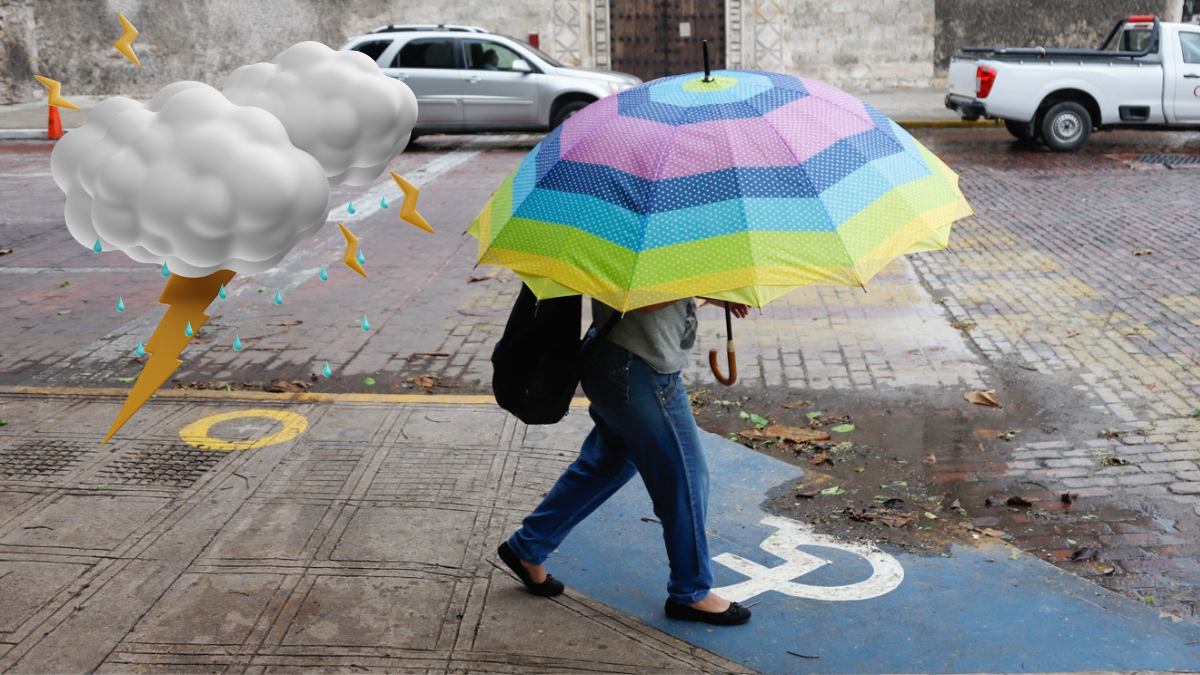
[(707, 73)]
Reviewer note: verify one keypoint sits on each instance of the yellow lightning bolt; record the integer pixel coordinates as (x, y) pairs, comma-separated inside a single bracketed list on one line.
[(125, 44), (186, 299), (408, 210), (351, 248), (56, 98)]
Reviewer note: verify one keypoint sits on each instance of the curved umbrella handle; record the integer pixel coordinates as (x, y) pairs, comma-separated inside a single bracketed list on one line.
[(716, 367)]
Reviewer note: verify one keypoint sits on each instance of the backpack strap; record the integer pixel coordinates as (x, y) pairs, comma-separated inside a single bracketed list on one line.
[(590, 344)]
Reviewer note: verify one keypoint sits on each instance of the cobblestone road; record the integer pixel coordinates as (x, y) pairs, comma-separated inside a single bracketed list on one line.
[(1075, 293), (1083, 269)]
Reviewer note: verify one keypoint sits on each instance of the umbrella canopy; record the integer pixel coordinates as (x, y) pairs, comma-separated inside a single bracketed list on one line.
[(741, 188)]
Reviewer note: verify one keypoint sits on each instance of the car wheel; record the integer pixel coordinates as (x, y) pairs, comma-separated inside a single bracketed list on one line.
[(1066, 126), (567, 111), (1019, 130)]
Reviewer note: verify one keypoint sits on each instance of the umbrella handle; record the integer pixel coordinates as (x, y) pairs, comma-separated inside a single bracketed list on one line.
[(716, 367)]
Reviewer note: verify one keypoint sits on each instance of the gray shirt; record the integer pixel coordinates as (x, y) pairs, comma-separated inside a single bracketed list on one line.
[(663, 339)]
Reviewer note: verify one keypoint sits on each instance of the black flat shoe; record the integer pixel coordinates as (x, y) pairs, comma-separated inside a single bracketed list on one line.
[(735, 615), (547, 589)]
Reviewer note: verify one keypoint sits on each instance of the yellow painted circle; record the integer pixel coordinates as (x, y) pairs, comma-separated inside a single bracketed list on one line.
[(196, 433)]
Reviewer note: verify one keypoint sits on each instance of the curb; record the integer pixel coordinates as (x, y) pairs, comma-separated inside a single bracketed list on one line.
[(40, 134), (24, 134), (948, 124), (302, 397)]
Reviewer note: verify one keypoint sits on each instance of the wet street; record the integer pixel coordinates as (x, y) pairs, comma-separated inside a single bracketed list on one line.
[(1074, 293)]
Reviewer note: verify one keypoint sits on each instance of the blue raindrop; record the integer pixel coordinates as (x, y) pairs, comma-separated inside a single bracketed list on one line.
[(120, 304), (221, 293), (324, 274), (139, 351), (383, 203), (188, 331), (278, 298), (327, 372), (165, 272), (237, 343), (350, 208), (361, 258), (366, 326), (97, 248)]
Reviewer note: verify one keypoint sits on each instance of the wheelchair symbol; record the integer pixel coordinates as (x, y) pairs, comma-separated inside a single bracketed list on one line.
[(886, 572)]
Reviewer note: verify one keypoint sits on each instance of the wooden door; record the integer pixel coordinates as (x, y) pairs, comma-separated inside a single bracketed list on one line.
[(656, 38)]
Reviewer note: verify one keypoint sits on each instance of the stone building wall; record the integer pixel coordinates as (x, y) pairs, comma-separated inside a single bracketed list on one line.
[(849, 43), (1033, 23), (205, 40), (856, 44)]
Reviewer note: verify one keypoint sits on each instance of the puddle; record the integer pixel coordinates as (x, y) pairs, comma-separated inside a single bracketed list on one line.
[(946, 461)]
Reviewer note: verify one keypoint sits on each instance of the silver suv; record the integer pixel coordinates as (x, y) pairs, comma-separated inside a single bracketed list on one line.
[(468, 80)]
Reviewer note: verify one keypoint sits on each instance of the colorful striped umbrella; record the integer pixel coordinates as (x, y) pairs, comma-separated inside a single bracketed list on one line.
[(740, 188)]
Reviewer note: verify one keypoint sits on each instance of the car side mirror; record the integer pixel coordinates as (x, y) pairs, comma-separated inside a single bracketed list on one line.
[(520, 66)]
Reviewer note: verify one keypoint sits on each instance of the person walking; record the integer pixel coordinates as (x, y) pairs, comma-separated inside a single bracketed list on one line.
[(643, 425)]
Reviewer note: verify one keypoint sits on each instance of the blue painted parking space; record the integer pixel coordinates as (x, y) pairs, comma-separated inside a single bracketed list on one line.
[(858, 609)]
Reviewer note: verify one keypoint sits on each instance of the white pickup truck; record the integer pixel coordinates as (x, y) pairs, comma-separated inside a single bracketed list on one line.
[(1151, 80)]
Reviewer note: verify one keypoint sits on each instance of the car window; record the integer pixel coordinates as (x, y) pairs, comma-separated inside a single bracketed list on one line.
[(1190, 44), (488, 55), (537, 52), (372, 48), (1137, 40), (426, 53)]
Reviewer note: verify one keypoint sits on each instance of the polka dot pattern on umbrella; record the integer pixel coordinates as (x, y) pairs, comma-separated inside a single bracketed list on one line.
[(738, 188)]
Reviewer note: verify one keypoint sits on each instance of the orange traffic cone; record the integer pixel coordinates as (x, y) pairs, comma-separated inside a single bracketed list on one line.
[(54, 127)]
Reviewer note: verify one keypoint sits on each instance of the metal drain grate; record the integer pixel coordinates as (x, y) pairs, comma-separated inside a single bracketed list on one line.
[(1169, 160), (42, 459), (176, 465)]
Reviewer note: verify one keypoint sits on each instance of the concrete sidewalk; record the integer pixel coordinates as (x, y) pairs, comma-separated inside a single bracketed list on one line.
[(357, 533), (299, 537), (911, 108)]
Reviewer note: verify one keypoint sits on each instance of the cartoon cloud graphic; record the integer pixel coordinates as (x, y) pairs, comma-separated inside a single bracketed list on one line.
[(191, 180), (214, 184), (336, 106)]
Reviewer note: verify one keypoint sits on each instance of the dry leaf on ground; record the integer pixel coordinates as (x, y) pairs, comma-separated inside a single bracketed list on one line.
[(5, 250), (999, 534), (988, 433), (293, 387), (987, 398), (796, 434), (1143, 251), (289, 322), (797, 404), (898, 520), (930, 460), (821, 458), (426, 382)]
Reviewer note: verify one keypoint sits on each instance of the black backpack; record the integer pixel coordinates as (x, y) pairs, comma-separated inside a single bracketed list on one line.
[(539, 359)]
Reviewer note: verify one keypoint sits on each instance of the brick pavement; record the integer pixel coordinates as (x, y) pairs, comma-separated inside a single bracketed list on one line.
[(419, 300), (1048, 277)]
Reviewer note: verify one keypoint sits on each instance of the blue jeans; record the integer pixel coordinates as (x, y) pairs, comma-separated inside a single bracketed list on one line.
[(644, 424)]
